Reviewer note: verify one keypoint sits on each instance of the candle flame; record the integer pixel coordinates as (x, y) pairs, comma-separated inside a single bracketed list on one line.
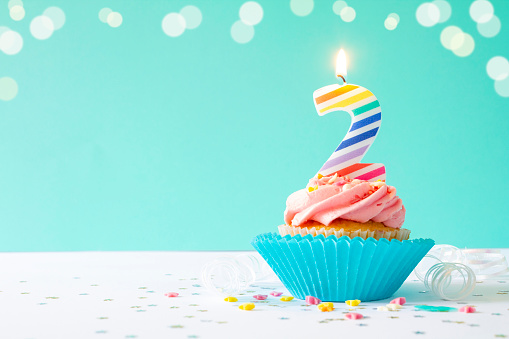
[(341, 65)]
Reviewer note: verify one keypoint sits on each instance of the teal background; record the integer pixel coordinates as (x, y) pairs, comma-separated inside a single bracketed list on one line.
[(127, 139)]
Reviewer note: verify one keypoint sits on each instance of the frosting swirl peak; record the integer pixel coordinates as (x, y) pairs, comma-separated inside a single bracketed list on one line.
[(328, 198)]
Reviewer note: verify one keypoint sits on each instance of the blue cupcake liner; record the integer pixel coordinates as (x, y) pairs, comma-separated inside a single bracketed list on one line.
[(333, 269)]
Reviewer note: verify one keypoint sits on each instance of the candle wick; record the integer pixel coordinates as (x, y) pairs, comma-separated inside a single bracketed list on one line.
[(342, 77)]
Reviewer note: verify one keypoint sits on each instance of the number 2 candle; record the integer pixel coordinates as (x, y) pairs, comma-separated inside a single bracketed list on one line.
[(366, 114)]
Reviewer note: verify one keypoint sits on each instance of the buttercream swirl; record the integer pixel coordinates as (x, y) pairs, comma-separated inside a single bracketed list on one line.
[(328, 198)]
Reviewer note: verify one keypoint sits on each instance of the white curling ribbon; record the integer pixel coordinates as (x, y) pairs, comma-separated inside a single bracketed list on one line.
[(231, 275), (486, 264), (451, 273)]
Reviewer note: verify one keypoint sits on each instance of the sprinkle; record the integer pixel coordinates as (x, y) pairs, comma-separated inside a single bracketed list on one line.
[(326, 307), (393, 307), (275, 294), (260, 296), (247, 306), (286, 298), (310, 300), (382, 309), (399, 301), (353, 302), (467, 309), (171, 294), (435, 308), (354, 316), (230, 299), (310, 189), (319, 176), (331, 181)]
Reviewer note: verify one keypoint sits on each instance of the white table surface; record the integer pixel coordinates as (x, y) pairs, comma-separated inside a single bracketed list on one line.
[(121, 295)]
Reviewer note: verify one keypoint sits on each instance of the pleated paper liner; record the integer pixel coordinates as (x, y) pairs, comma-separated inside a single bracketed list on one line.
[(333, 269), (388, 233)]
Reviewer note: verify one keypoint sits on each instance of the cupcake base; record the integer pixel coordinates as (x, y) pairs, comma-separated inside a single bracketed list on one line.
[(339, 269), (348, 228)]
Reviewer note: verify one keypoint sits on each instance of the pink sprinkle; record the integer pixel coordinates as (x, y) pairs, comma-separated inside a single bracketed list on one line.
[(276, 294), (312, 300), (260, 297), (400, 301), (171, 294), (467, 309), (354, 316)]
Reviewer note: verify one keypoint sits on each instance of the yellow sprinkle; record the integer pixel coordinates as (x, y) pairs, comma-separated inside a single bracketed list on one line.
[(230, 299), (310, 189), (355, 302), (247, 306), (286, 298), (320, 176), (326, 307)]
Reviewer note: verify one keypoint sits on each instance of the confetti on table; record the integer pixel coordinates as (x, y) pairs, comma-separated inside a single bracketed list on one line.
[(355, 302), (247, 306), (260, 296), (393, 307), (467, 309), (276, 294), (230, 299), (286, 298), (310, 300), (326, 307), (435, 308), (354, 316), (171, 294), (399, 301)]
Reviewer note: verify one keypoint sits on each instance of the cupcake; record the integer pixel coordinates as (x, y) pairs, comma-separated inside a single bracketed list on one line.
[(342, 239)]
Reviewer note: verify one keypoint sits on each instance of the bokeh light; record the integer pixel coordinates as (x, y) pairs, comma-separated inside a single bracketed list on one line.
[(467, 47), (451, 34), (174, 24), (251, 13), (502, 87), (481, 11), (460, 43), (395, 16), (498, 68), (301, 7), (347, 14), (338, 6), (8, 88), (427, 14), (17, 13), (114, 19), (241, 32), (392, 21), (103, 14), (41, 27), (13, 3), (490, 28), (192, 16), (10, 42), (444, 8), (56, 15)]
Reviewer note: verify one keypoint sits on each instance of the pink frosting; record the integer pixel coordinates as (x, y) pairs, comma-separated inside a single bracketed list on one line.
[(329, 198)]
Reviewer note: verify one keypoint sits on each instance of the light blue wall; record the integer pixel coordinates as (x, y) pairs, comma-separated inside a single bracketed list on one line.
[(127, 139)]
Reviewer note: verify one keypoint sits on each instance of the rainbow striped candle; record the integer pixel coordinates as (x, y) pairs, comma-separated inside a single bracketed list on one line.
[(366, 114)]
